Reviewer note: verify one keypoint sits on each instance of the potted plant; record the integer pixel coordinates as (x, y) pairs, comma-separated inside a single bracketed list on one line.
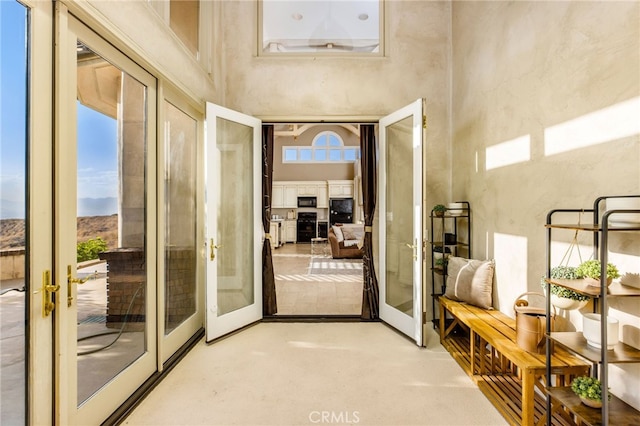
[(441, 263), (562, 297), (439, 210), (590, 271), (589, 390)]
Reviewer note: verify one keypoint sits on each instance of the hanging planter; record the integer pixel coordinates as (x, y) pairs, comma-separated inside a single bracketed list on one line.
[(590, 271), (566, 303), (562, 297)]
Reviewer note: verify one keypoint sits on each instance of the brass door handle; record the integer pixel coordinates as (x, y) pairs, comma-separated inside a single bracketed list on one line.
[(47, 290), (413, 247), (212, 248), (75, 280)]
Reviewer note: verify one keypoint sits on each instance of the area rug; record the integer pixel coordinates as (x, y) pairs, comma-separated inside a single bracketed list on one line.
[(329, 266)]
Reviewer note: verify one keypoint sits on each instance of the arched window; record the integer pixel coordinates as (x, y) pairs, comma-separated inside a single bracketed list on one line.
[(327, 147)]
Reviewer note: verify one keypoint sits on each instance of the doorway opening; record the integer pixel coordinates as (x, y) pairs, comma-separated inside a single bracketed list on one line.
[(316, 194)]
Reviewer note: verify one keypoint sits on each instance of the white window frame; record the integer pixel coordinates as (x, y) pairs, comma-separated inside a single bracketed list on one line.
[(319, 51), (316, 147)]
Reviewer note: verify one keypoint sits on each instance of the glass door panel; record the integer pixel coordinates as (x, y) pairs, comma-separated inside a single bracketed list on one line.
[(234, 280), (105, 255), (401, 220), (14, 249), (111, 143), (180, 217)]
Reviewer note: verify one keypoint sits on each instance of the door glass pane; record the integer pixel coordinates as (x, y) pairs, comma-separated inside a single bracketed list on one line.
[(235, 217), (13, 245), (399, 219), (111, 180), (180, 205)]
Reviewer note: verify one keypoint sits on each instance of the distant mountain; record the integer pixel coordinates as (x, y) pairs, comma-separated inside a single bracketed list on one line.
[(12, 231), (97, 206), (86, 207), (11, 210)]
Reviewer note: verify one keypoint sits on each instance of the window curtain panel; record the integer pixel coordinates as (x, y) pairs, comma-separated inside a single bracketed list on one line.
[(370, 293), (269, 303)]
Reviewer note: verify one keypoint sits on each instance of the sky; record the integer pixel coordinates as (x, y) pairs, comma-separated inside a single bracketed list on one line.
[(97, 134)]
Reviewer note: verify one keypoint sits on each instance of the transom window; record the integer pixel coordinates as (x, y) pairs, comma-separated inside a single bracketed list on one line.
[(329, 27), (327, 147)]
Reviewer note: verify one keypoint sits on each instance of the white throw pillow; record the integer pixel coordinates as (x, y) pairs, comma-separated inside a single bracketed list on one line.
[(338, 232), (470, 281)]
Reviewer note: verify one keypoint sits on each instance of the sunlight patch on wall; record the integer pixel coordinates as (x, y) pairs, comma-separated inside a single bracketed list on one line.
[(510, 152), (510, 254), (608, 124)]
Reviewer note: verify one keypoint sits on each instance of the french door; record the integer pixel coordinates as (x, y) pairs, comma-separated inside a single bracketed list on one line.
[(234, 221), (401, 220), (105, 319)]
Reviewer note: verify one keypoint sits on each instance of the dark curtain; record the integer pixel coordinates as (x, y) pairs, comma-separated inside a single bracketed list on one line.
[(269, 304), (370, 293)]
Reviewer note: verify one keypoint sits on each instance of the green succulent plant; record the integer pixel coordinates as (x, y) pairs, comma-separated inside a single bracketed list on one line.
[(439, 208), (568, 273), (587, 387), (441, 262), (591, 269)]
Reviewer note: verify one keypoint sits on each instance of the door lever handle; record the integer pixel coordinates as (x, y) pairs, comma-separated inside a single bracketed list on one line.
[(47, 290), (75, 280), (212, 248), (414, 248)]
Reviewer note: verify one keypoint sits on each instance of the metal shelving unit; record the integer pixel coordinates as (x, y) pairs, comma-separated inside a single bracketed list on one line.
[(614, 411), (440, 244)]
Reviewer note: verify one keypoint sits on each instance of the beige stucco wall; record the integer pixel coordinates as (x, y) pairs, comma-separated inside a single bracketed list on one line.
[(520, 68)]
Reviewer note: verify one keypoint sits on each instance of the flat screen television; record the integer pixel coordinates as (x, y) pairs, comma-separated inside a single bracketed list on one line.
[(341, 205)]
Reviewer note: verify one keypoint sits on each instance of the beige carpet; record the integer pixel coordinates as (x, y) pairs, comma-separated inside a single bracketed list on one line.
[(317, 373)]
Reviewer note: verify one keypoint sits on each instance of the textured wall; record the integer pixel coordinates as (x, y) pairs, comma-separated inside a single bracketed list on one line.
[(545, 106)]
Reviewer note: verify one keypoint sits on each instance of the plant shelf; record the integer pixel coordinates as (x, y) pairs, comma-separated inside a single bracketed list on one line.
[(594, 227), (620, 413), (580, 286), (575, 341)]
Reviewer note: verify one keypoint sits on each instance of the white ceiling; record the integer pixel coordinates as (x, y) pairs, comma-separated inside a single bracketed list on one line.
[(310, 25)]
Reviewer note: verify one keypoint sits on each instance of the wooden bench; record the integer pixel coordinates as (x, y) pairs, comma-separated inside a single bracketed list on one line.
[(505, 373)]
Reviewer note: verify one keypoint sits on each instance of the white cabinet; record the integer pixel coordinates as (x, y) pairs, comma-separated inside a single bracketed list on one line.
[(323, 198), (290, 231), (284, 195), (290, 196), (274, 231), (308, 189), (340, 189), (277, 196)]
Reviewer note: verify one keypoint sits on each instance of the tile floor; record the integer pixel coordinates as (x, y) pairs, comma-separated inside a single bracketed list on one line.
[(300, 292)]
